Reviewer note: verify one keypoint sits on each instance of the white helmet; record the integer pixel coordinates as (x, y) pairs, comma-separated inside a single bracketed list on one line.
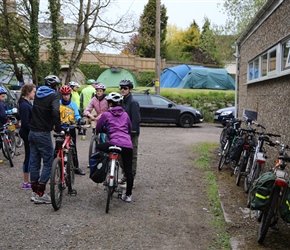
[(73, 84), (115, 98)]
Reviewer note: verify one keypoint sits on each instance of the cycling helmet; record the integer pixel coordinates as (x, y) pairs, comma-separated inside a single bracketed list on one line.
[(73, 84), (91, 81), (3, 91), (100, 86), (51, 81), (115, 98), (126, 82), (65, 90)]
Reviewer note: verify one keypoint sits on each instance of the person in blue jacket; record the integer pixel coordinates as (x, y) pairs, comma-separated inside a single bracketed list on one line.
[(117, 125), (69, 113), (25, 111)]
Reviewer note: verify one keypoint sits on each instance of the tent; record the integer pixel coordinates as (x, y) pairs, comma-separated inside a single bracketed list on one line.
[(77, 76), (7, 74), (208, 78), (171, 77), (112, 77)]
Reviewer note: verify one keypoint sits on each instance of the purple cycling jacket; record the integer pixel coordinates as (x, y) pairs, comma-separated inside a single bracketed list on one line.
[(117, 125)]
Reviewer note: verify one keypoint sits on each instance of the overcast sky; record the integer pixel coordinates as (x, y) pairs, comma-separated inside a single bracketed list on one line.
[(181, 12)]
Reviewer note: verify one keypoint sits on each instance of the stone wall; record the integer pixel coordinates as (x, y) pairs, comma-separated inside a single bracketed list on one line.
[(270, 98)]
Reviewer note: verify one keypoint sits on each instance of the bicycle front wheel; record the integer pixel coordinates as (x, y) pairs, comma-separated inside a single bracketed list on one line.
[(223, 156), (92, 148), (268, 215), (241, 170), (11, 145), (70, 173), (6, 150), (56, 185)]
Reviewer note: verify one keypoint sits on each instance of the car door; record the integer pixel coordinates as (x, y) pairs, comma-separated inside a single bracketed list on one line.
[(163, 110), (145, 107)]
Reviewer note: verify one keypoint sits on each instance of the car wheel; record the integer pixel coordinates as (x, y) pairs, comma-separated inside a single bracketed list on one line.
[(186, 120)]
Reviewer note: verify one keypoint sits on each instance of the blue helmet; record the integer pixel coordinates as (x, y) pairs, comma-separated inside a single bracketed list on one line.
[(3, 90)]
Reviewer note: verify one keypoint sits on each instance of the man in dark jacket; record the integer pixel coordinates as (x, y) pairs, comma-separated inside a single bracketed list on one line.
[(45, 118), (132, 108)]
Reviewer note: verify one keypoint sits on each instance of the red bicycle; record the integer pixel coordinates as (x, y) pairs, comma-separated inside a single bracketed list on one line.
[(63, 166)]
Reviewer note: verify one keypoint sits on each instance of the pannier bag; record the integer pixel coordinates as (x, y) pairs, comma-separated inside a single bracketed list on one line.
[(237, 150), (261, 190), (98, 166), (285, 204), (231, 132)]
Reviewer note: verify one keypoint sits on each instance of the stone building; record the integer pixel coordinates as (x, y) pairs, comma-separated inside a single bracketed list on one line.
[(263, 67)]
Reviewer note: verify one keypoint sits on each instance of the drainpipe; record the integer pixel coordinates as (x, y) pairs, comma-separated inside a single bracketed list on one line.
[(237, 56)]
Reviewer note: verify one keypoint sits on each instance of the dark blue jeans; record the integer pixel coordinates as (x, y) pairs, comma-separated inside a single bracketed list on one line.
[(41, 147)]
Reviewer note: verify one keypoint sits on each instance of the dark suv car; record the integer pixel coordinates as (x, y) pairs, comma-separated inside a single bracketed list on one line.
[(157, 109)]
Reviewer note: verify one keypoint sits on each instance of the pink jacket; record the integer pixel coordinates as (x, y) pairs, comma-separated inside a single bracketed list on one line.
[(99, 106)]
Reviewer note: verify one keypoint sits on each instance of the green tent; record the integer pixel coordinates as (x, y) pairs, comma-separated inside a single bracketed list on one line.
[(112, 77), (7, 74), (208, 78)]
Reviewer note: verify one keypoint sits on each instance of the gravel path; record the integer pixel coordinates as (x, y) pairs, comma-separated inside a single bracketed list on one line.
[(168, 209)]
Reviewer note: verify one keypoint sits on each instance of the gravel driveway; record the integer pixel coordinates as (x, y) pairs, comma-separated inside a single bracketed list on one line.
[(168, 209)]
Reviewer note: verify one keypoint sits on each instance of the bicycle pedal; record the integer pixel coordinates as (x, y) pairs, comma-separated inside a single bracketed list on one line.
[(73, 192)]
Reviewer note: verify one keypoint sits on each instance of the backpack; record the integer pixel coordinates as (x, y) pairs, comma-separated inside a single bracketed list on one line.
[(261, 190), (284, 208), (98, 166), (237, 149)]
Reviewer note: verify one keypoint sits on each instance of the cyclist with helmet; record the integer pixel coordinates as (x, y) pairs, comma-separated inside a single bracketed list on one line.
[(117, 125), (75, 94), (45, 117), (86, 96), (69, 113), (132, 108), (3, 117), (98, 103)]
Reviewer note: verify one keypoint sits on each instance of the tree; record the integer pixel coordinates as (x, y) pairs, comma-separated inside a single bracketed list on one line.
[(240, 13), (208, 46), (94, 27), (174, 40), (147, 31)]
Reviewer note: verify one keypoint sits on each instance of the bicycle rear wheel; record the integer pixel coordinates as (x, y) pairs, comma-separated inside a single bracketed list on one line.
[(241, 170), (18, 140), (56, 185), (70, 173), (6, 150), (268, 215), (223, 156), (11, 145)]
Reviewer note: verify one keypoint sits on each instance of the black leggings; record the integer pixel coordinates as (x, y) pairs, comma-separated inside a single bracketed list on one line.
[(127, 157), (24, 135)]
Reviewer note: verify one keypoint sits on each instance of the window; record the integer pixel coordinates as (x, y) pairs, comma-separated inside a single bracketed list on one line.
[(272, 61), (286, 55), (254, 69), (264, 64), (159, 101)]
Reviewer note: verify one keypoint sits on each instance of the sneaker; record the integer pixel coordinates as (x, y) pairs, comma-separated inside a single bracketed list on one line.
[(126, 198), (32, 197), (122, 180), (45, 199), (26, 186)]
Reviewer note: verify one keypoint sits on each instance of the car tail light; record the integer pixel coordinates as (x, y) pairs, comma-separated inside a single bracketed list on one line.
[(261, 158), (246, 147)]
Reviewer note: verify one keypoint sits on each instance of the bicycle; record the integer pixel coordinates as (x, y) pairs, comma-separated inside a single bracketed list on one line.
[(63, 166), (8, 141), (111, 182), (271, 214), (230, 134), (96, 139)]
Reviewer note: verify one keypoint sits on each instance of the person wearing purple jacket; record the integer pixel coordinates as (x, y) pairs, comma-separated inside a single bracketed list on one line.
[(117, 125)]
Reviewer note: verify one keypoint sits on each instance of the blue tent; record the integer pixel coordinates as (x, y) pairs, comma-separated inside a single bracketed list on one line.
[(171, 77), (208, 78)]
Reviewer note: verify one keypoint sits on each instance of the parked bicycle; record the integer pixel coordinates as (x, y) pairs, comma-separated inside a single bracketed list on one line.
[(278, 201), (227, 139), (111, 182), (63, 166)]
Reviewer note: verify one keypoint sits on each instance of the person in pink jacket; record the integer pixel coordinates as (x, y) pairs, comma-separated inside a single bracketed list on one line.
[(98, 103)]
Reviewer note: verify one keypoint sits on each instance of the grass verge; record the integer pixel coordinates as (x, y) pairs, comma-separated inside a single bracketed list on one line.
[(203, 161)]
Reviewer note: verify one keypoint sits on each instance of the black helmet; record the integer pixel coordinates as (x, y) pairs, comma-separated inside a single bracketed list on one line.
[(126, 82), (51, 81)]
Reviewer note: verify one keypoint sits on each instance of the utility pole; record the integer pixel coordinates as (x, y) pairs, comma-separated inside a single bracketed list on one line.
[(157, 49)]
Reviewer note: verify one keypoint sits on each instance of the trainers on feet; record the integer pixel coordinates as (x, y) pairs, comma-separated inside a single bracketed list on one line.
[(26, 186), (122, 180), (32, 197), (126, 198), (45, 199)]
